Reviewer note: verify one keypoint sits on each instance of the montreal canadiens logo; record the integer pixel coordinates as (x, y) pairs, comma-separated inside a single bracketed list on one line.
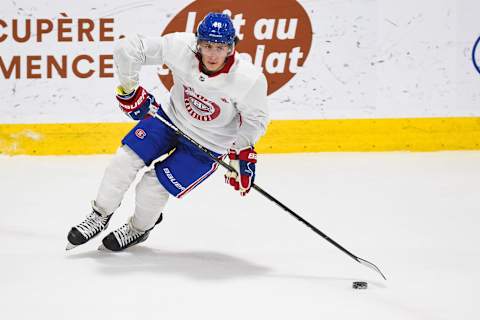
[(200, 107), (140, 133), (476, 55)]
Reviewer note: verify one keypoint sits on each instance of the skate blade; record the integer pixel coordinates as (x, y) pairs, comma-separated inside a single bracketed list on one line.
[(70, 246), (103, 248)]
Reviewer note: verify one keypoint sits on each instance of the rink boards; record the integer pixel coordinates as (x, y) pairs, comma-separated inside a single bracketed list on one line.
[(283, 136)]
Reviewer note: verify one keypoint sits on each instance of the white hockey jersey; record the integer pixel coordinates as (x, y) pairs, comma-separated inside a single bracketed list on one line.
[(221, 111)]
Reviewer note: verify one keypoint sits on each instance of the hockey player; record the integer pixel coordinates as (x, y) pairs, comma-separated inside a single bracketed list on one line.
[(217, 99)]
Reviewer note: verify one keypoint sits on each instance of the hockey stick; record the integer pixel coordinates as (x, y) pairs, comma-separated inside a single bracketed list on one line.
[(270, 197)]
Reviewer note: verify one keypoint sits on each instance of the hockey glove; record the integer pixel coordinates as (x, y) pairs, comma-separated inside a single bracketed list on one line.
[(244, 162), (136, 104)]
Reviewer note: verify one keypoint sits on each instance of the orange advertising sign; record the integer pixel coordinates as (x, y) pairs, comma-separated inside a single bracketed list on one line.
[(276, 36)]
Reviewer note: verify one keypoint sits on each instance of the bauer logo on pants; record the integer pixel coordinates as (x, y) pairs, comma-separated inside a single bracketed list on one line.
[(275, 36)]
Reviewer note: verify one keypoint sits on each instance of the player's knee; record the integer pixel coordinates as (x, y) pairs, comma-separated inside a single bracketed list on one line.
[(125, 161), (150, 189)]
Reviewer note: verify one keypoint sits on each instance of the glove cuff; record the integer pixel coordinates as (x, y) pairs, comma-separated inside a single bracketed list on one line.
[(122, 94), (232, 154), (248, 154)]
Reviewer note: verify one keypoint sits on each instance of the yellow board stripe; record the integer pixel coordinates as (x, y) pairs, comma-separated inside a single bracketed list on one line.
[(61, 139), (412, 134), (283, 136)]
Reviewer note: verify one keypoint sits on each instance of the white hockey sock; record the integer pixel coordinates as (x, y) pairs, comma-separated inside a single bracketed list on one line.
[(150, 199), (118, 176)]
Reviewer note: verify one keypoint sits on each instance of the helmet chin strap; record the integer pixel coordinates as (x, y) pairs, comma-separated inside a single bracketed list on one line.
[(232, 49)]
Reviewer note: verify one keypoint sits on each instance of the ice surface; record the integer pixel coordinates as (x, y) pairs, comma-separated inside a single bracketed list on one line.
[(219, 256)]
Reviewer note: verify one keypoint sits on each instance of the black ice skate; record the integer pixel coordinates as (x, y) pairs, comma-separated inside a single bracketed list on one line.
[(125, 236), (87, 229)]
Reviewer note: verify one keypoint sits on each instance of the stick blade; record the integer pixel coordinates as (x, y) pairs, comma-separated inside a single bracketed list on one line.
[(371, 266)]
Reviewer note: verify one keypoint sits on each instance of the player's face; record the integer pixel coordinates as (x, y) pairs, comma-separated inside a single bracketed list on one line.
[(213, 55)]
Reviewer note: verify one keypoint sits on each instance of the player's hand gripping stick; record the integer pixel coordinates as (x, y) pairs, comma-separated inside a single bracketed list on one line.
[(136, 104), (244, 163)]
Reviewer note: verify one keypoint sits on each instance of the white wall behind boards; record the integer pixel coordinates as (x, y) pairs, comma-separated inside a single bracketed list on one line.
[(368, 59)]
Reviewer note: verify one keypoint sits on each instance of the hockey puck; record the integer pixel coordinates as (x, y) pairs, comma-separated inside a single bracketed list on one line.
[(359, 285)]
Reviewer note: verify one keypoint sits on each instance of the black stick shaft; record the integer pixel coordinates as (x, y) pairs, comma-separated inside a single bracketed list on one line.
[(270, 197), (308, 224)]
